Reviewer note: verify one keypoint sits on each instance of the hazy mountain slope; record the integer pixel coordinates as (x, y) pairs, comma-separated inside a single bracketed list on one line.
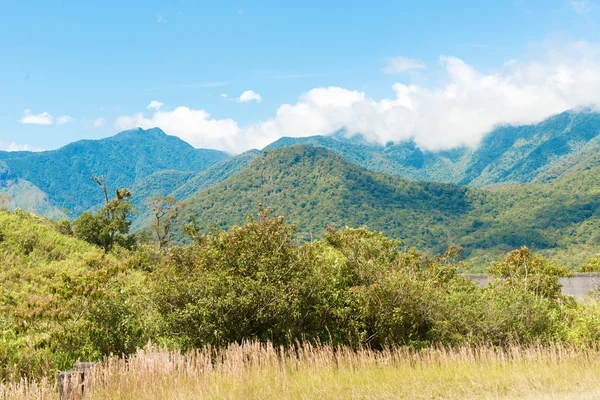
[(124, 159), (181, 185), (25, 195), (159, 184), (520, 154), (14, 154)]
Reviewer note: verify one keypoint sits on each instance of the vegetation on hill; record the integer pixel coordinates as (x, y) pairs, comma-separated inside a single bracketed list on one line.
[(313, 187), (23, 194)]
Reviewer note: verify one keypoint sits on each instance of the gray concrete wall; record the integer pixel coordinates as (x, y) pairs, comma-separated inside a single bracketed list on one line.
[(578, 285)]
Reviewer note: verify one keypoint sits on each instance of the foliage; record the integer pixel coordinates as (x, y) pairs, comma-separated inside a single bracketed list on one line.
[(231, 286), (354, 287), (165, 211), (110, 225), (313, 188), (533, 273), (593, 265)]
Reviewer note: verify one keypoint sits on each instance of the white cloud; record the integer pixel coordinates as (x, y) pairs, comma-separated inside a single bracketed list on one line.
[(249, 95), (398, 65), (581, 7), (223, 95), (65, 119), (469, 104), (39, 119), (160, 19), (155, 105), (16, 147), (97, 123)]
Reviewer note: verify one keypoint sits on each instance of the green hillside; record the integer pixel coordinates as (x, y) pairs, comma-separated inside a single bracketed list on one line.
[(124, 159), (510, 154), (313, 187), (215, 174)]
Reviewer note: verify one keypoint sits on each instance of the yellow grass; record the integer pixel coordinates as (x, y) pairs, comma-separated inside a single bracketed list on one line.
[(255, 371)]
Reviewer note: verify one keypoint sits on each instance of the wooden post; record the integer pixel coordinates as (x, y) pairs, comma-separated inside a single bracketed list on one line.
[(71, 384)]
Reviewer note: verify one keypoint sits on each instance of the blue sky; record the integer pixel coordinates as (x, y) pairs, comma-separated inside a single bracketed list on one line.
[(89, 69)]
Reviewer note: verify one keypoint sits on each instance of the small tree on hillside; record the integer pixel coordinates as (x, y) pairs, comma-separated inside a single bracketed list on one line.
[(165, 210), (110, 225)]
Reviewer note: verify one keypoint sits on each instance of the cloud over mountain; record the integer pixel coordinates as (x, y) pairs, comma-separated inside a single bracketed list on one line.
[(469, 104)]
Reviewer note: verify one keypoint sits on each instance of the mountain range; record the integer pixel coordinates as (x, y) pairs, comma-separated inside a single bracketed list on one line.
[(509, 154), (531, 185)]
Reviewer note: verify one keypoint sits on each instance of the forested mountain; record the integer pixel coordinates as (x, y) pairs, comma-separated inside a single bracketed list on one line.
[(14, 154), (180, 185), (313, 187), (510, 154), (64, 175)]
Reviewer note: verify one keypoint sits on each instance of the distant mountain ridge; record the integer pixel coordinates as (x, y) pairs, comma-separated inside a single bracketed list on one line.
[(510, 154), (124, 159)]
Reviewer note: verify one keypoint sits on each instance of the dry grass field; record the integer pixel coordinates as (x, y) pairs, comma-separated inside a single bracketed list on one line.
[(255, 371)]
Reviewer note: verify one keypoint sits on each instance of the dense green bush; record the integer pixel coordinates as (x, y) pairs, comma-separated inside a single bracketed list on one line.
[(355, 287)]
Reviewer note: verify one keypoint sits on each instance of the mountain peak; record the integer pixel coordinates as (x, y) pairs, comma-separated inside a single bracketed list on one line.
[(138, 133)]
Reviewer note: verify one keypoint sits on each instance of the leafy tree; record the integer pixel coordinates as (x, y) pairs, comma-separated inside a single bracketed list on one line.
[(248, 283), (521, 268), (593, 265), (110, 225), (165, 210)]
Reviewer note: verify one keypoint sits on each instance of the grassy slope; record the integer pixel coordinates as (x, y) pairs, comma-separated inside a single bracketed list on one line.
[(34, 254)]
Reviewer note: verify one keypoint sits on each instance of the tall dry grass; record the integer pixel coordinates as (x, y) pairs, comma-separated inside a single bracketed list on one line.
[(259, 371)]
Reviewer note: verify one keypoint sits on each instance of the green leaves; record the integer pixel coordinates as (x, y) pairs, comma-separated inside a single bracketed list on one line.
[(110, 225), (522, 268)]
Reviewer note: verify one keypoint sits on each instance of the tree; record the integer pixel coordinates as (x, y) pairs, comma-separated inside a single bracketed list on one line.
[(110, 224), (523, 269), (165, 210)]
